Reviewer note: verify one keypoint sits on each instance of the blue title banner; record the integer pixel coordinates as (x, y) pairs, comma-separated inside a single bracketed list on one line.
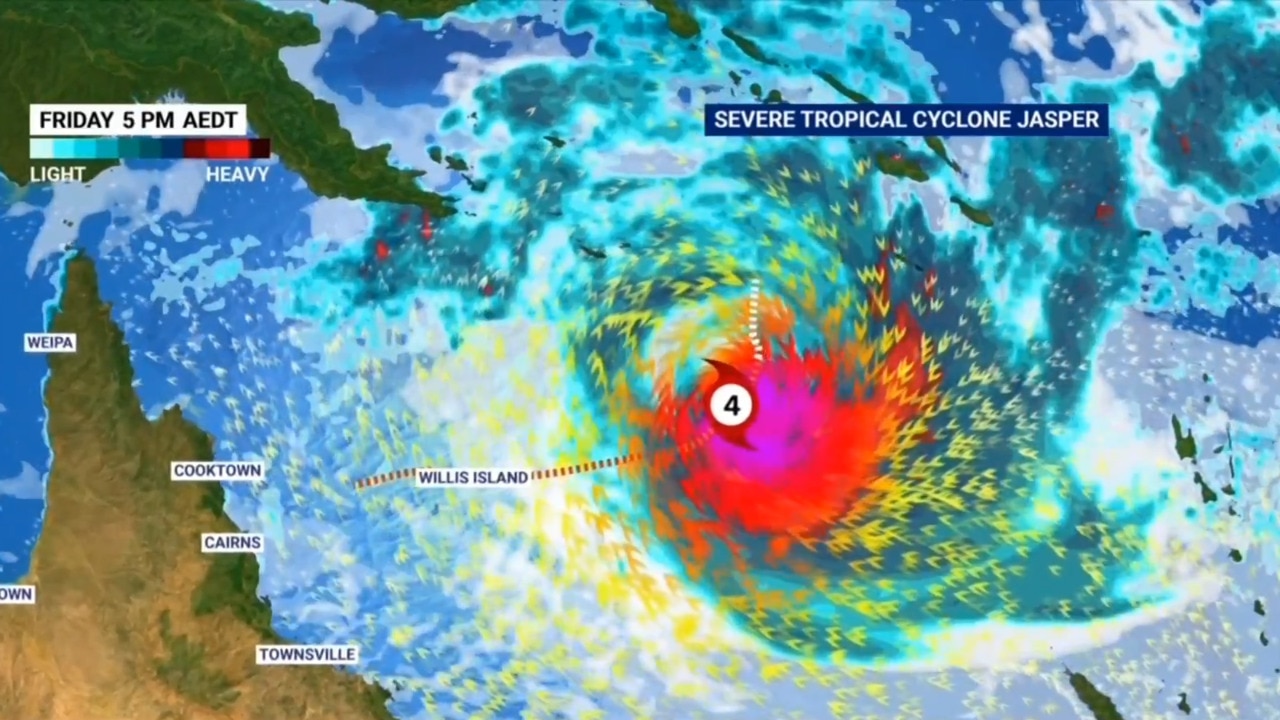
[(904, 120)]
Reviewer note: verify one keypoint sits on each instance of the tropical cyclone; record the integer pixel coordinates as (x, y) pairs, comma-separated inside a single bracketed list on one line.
[(894, 480)]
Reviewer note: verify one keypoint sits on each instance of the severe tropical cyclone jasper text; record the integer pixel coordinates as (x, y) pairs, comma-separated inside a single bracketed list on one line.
[(836, 120)]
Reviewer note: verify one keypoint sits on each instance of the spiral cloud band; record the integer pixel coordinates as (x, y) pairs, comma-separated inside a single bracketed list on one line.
[(900, 474)]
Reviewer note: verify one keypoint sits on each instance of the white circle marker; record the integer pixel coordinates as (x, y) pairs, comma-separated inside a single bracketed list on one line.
[(731, 405)]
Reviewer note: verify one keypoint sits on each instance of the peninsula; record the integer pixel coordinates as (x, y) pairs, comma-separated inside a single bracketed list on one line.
[(132, 621)]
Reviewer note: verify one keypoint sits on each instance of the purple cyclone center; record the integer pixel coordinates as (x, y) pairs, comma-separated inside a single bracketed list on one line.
[(787, 418)]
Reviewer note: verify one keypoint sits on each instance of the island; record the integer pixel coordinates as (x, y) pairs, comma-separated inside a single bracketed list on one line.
[(132, 621), (215, 51)]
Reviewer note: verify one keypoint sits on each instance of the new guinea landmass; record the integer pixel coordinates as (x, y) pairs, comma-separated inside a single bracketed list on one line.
[(221, 51), (132, 621)]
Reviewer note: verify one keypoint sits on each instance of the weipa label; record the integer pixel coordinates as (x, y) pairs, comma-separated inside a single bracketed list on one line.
[(45, 343)]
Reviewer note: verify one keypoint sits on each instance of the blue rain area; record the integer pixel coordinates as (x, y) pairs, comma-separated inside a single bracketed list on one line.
[(398, 63)]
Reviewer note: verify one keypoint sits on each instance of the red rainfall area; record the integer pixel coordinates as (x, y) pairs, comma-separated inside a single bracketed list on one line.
[(826, 421)]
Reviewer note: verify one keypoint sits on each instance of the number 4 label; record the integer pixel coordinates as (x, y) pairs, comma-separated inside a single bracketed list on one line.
[(731, 405)]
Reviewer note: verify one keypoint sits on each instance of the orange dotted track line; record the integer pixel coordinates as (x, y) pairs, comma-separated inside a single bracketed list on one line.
[(584, 467), (385, 478), (562, 471), (544, 474)]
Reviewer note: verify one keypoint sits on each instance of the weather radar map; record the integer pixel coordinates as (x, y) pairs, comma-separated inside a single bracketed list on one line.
[(610, 359)]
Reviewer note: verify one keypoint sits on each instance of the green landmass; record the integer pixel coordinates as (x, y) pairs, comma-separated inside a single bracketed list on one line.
[(900, 166), (940, 149), (453, 162), (773, 97), (977, 215), (1184, 443), (843, 89), (1100, 705), (748, 47), (413, 8), (185, 669), (1207, 494), (679, 21), (212, 51), (132, 620)]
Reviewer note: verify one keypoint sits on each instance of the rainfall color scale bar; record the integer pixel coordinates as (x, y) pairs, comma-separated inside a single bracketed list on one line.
[(135, 148)]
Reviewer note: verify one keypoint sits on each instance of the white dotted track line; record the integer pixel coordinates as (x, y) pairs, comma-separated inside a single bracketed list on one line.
[(753, 320)]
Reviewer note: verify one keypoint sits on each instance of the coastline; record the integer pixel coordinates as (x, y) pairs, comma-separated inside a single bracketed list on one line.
[(27, 449)]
